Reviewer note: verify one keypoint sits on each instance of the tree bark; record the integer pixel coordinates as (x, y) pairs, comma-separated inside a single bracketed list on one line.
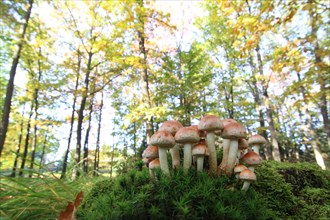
[(19, 145), (97, 149), (144, 73), (85, 159), (27, 138), (66, 155), (320, 78), (10, 85), (42, 153), (36, 106), (311, 130), (269, 111), (76, 173)]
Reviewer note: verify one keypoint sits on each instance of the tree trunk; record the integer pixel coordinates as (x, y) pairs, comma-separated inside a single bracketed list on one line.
[(27, 138), (144, 74), (66, 155), (36, 106), (19, 144), (311, 130), (269, 111), (85, 160), (10, 85), (42, 154), (97, 149), (318, 64), (76, 173)]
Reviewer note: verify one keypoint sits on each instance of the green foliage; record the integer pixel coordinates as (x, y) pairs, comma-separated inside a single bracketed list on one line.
[(294, 190), (191, 196), (37, 198)]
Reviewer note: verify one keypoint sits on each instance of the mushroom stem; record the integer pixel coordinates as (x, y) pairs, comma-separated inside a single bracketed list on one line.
[(222, 166), (210, 142), (256, 148), (175, 154), (232, 156), (187, 157), (200, 163), (152, 174), (163, 160), (246, 186)]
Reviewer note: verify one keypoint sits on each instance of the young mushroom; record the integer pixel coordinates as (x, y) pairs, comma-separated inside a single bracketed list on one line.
[(187, 136), (211, 123), (238, 169), (200, 151), (252, 159), (163, 140), (173, 126), (256, 141), (233, 131), (247, 176), (154, 164)]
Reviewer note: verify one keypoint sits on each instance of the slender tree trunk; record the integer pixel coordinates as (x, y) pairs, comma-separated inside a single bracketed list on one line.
[(42, 153), (97, 150), (76, 173), (27, 138), (85, 160), (322, 81), (66, 155), (19, 145), (144, 74), (36, 106), (311, 131), (269, 111), (10, 85)]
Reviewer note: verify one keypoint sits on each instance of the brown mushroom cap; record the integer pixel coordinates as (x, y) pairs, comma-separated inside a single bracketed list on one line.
[(146, 161), (202, 134), (239, 168), (233, 131), (228, 120), (200, 149), (171, 126), (187, 135), (248, 175), (210, 123), (150, 152), (257, 139), (162, 139), (154, 164), (242, 144), (252, 158)]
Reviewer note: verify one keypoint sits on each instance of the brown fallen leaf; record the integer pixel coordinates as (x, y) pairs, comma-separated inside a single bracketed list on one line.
[(68, 213)]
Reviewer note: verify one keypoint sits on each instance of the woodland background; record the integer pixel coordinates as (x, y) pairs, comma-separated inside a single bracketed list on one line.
[(84, 84)]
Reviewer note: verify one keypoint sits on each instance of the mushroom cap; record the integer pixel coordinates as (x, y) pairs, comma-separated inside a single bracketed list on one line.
[(171, 126), (210, 123), (228, 120), (200, 149), (242, 144), (146, 161), (202, 134), (252, 158), (162, 139), (239, 168), (257, 139), (150, 152), (247, 175), (187, 135), (154, 164), (233, 131)]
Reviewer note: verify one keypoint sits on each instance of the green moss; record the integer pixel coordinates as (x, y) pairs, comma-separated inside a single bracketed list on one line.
[(282, 191)]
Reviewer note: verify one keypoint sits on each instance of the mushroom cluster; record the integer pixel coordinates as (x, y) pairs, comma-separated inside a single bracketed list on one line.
[(198, 142)]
